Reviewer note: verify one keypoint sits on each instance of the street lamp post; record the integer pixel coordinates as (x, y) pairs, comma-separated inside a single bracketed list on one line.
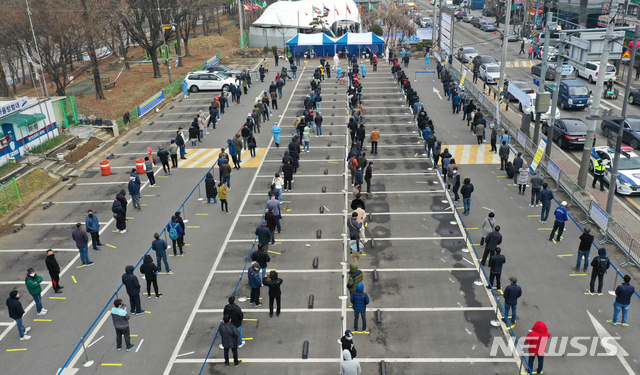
[(164, 40)]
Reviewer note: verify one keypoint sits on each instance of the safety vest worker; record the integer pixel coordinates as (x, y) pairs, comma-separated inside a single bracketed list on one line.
[(598, 174)]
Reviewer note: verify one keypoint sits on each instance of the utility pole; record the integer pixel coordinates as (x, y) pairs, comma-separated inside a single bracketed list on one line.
[(597, 95), (554, 95), (503, 60), (164, 40), (240, 21), (543, 74), (613, 179)]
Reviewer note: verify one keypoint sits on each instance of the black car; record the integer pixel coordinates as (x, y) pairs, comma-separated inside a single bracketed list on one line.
[(568, 132), (550, 74), (634, 97), (483, 59), (630, 133), (461, 15)]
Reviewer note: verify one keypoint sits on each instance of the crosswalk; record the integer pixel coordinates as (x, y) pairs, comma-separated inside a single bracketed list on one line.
[(473, 154), (206, 157), (520, 64)]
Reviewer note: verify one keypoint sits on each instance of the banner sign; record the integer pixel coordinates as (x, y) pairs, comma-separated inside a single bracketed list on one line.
[(14, 106), (213, 61), (424, 33), (539, 152), (599, 215), (522, 138), (150, 103), (553, 170)]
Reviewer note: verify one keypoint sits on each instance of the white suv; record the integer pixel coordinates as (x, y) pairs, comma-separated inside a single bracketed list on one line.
[(590, 72), (204, 80)]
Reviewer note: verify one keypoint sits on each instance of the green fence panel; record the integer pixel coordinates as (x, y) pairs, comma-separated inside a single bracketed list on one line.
[(9, 196)]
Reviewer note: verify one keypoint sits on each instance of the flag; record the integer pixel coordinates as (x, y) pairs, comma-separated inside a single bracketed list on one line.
[(334, 5), (360, 7), (415, 7), (371, 7), (348, 10), (326, 9), (246, 7), (383, 7), (315, 10), (393, 6), (405, 9)]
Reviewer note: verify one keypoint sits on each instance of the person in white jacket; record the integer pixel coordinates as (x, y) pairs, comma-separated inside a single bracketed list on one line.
[(487, 226)]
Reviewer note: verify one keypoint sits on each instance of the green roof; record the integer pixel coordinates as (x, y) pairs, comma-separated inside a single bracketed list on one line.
[(22, 119)]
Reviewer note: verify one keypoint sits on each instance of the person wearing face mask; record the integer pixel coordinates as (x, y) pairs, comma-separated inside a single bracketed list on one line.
[(54, 271), (16, 312), (32, 281), (93, 226)]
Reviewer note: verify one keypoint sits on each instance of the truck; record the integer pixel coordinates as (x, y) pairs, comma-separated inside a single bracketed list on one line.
[(572, 94)]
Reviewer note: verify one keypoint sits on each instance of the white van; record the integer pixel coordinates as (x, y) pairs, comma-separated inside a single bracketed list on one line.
[(590, 71), (204, 80)]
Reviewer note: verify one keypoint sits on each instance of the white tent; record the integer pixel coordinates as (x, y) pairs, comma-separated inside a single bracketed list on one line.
[(298, 14)]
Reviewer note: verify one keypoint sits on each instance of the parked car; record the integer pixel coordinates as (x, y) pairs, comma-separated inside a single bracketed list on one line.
[(222, 69), (489, 26), (481, 22), (590, 71), (634, 97), (568, 132), (483, 59), (572, 94), (426, 22), (490, 73), (628, 168), (475, 20), (512, 37), (488, 12), (550, 75), (466, 54), (204, 80), (468, 18), (461, 15), (630, 133)]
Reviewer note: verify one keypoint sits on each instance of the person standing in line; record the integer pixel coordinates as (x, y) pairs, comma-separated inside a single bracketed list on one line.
[(492, 241), (287, 170), (261, 256), (180, 142), (306, 137), (624, 292), (455, 103), (229, 335), (150, 272), (480, 132), (349, 366), (255, 283), (562, 215), (148, 166), (355, 277), (346, 342), (210, 188), (120, 214), (132, 286), (278, 182), (163, 155), (599, 266), (272, 223), (536, 183), (495, 265), (546, 196), (511, 295), (354, 235), (368, 173), (120, 318), (488, 224), (33, 281), (466, 191), (360, 300), (436, 153), (16, 312), (450, 167), (276, 206), (233, 153), (455, 182), (225, 174), (273, 282), (358, 178), (93, 226), (494, 138), (134, 191), (237, 316), (82, 242), (54, 271), (518, 161), (176, 233), (537, 343), (318, 120), (160, 247), (173, 152), (523, 178), (237, 141), (503, 152), (586, 240)]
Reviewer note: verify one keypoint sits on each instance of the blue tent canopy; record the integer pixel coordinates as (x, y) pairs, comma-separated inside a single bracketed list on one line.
[(322, 44), (359, 42)]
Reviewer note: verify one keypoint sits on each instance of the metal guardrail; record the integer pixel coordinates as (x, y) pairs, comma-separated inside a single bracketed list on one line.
[(612, 232)]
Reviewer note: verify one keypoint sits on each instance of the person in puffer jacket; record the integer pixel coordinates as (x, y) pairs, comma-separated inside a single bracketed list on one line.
[(360, 300), (120, 319), (537, 341), (132, 285)]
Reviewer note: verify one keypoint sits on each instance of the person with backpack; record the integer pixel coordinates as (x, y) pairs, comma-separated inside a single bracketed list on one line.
[(599, 265), (353, 167), (176, 233), (255, 282)]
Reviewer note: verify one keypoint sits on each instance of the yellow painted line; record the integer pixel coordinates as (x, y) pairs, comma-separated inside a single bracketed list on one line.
[(130, 218), (202, 214), (577, 274), (81, 266), (565, 255), (252, 320), (633, 203), (545, 228), (488, 157), (41, 320), (74, 279), (362, 332), (307, 245), (473, 155), (416, 155), (135, 335), (193, 157), (165, 273), (57, 297), (512, 185), (286, 201), (193, 226), (17, 350), (333, 162), (187, 244), (149, 195), (154, 186), (115, 231), (111, 246), (533, 215), (247, 338), (162, 176), (366, 225), (255, 162), (147, 312), (111, 364), (143, 204), (274, 252), (286, 209), (554, 241), (472, 228)]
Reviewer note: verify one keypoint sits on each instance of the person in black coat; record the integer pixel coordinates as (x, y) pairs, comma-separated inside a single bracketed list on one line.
[(16, 312), (120, 215), (132, 285), (54, 271), (273, 283), (509, 169), (210, 188), (229, 335), (347, 343), (163, 155), (287, 170), (261, 256), (120, 197), (495, 263), (150, 272), (237, 316)]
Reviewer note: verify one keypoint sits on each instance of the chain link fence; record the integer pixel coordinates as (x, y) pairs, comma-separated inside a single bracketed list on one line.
[(9, 196)]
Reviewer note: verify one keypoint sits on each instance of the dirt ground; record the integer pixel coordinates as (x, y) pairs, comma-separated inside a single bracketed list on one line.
[(83, 150), (29, 186)]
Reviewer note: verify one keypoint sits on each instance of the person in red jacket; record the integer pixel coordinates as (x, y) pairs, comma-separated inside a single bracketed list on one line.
[(537, 344)]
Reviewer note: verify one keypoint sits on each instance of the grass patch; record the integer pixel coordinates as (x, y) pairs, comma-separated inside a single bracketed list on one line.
[(9, 167), (49, 144), (29, 186)]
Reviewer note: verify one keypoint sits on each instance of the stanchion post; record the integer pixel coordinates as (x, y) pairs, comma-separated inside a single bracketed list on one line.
[(496, 322), (88, 362), (613, 292)]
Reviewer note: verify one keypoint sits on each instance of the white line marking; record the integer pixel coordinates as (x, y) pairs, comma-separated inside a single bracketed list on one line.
[(33, 250), (139, 345), (367, 270), (370, 360), (180, 355), (99, 338), (78, 202), (373, 214), (372, 309)]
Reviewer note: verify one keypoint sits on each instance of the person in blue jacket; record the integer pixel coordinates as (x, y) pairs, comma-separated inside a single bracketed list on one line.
[(255, 282), (562, 215), (276, 130), (359, 301), (185, 88), (134, 191), (455, 103), (622, 302), (363, 70), (546, 196), (233, 153), (93, 226)]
